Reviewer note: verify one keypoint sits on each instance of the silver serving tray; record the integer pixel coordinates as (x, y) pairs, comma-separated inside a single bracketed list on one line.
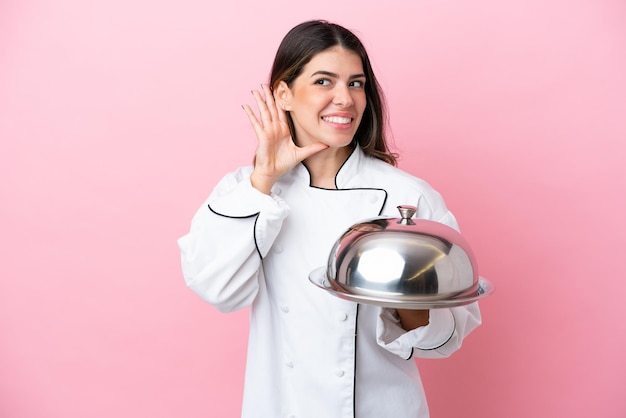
[(319, 278)]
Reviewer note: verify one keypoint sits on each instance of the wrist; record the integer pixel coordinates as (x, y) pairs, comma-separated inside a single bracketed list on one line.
[(261, 183), (412, 319)]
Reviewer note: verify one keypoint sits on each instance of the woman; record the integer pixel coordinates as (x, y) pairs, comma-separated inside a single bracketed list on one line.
[(321, 165)]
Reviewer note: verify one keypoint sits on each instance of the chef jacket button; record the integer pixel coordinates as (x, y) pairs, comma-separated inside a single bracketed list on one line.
[(277, 190), (342, 316), (284, 308), (278, 248), (339, 373), (289, 364)]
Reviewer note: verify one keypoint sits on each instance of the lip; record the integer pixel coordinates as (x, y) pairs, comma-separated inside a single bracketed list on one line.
[(339, 114), (337, 125)]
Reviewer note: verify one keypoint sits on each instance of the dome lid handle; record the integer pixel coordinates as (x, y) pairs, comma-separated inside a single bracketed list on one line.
[(407, 212)]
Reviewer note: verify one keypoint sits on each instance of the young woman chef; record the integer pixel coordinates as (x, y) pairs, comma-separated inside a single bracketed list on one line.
[(321, 165)]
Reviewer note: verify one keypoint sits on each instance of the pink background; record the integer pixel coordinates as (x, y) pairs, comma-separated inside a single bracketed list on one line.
[(117, 118)]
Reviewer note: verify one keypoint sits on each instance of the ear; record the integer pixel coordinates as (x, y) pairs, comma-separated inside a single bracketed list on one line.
[(283, 95)]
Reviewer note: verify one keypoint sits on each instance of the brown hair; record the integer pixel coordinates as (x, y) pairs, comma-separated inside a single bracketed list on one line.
[(306, 40)]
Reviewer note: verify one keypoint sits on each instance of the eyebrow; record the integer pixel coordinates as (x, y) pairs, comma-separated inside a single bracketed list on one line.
[(333, 75)]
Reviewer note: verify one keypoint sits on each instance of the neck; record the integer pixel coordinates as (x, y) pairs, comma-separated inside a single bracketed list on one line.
[(324, 166)]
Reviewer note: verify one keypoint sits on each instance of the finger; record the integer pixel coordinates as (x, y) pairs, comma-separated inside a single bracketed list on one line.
[(282, 115), (254, 121), (277, 112), (266, 117), (305, 152), (270, 102)]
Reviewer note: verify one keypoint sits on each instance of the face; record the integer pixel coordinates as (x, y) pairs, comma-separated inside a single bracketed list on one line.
[(326, 101)]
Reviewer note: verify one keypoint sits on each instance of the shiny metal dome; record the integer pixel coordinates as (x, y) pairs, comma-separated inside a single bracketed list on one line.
[(396, 261)]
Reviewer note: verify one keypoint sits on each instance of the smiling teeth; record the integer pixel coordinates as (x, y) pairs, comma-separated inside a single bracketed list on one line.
[(337, 119)]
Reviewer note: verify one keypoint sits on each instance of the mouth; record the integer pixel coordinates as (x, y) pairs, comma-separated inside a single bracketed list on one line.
[(337, 120)]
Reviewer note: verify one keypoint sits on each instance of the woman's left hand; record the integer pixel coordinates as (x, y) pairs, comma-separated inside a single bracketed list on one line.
[(411, 319)]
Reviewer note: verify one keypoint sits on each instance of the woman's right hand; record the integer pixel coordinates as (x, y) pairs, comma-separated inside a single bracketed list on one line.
[(276, 152)]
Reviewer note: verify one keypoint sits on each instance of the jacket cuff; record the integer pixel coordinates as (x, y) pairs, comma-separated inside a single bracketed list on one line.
[(392, 337)]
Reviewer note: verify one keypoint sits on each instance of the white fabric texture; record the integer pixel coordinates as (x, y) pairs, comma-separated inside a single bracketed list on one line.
[(310, 353)]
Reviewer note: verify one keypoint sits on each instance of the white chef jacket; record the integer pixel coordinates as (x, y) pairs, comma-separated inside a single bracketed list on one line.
[(312, 354)]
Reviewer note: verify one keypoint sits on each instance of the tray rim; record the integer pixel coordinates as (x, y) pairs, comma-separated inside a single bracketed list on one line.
[(319, 278)]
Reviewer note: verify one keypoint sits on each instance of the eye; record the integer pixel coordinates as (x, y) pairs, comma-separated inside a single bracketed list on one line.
[(323, 82), (357, 83)]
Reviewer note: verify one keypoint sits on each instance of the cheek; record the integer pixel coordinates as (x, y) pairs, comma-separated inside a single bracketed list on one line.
[(310, 107), (360, 100), (362, 105), (319, 102)]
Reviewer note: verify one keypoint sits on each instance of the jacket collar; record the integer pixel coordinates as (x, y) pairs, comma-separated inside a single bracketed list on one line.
[(350, 174), (350, 169), (354, 185)]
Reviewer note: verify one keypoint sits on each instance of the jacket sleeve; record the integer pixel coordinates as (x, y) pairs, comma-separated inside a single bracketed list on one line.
[(440, 338), (229, 235), (447, 326)]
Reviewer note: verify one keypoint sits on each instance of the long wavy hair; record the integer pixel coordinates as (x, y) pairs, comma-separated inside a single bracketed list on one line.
[(306, 40)]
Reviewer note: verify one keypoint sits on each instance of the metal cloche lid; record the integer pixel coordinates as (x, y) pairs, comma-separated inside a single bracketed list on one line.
[(403, 262)]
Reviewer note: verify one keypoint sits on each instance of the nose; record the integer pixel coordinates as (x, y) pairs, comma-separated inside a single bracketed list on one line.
[(343, 96)]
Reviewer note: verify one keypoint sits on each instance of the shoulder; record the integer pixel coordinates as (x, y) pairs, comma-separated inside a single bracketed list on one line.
[(387, 176), (404, 188), (231, 181), (235, 176)]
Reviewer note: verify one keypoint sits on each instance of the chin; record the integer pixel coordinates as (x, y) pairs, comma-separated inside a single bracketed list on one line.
[(338, 145), (339, 142)]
